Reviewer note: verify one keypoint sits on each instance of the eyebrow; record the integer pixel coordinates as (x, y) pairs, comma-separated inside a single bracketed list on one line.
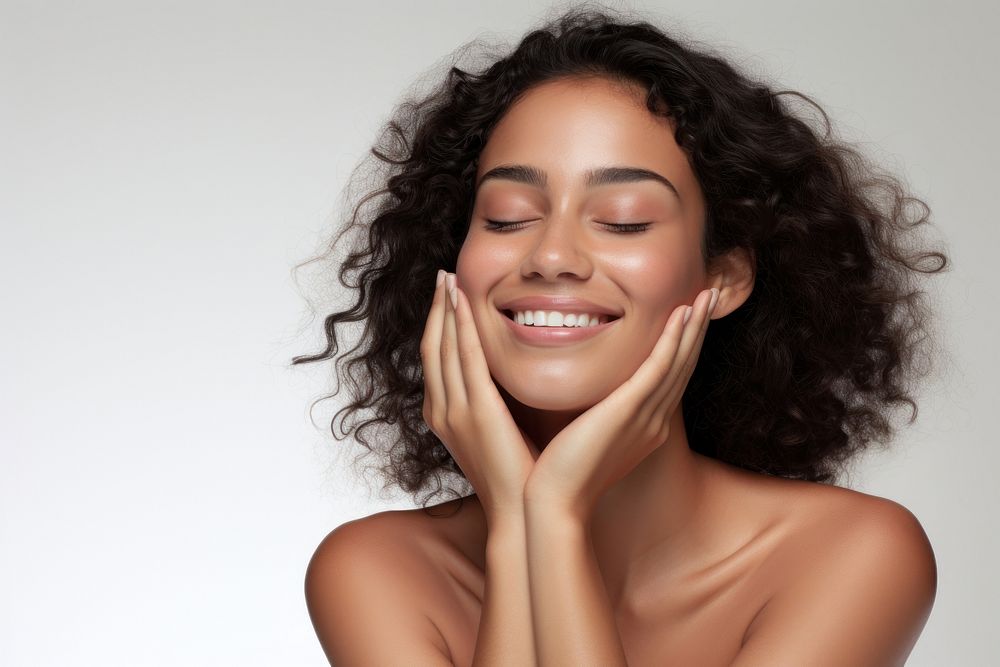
[(535, 177)]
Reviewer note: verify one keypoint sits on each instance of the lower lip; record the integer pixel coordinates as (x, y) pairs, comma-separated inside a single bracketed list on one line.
[(553, 335)]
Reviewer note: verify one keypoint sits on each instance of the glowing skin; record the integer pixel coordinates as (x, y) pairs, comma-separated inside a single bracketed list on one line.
[(564, 129), (564, 249)]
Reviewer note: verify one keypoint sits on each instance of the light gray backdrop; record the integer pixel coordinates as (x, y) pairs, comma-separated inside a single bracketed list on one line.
[(164, 165)]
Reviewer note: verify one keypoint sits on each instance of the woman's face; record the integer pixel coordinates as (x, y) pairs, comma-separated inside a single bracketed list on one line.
[(561, 131)]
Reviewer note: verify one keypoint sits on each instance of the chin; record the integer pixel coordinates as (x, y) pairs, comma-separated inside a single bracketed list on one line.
[(540, 399)]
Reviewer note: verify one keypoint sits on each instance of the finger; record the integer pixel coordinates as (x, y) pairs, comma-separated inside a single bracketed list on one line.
[(430, 348), (451, 367), (695, 353), (690, 347), (470, 352), (650, 377), (667, 380)]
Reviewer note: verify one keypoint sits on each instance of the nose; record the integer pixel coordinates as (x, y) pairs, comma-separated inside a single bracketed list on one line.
[(558, 251)]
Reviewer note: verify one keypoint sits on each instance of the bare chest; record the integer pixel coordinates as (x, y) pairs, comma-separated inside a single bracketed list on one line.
[(701, 619)]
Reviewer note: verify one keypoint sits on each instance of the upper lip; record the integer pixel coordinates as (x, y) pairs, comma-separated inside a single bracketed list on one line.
[(562, 303)]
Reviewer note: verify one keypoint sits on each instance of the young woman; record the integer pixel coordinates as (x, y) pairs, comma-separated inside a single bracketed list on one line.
[(665, 308)]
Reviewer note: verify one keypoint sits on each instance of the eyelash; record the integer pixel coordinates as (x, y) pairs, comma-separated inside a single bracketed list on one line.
[(503, 226)]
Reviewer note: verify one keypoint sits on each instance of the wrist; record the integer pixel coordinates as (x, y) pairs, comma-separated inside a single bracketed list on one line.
[(510, 519), (555, 512)]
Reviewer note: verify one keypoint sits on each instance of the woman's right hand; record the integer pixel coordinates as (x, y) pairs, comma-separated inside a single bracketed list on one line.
[(464, 409)]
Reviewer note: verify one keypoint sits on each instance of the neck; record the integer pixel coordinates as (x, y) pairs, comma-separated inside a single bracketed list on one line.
[(656, 509)]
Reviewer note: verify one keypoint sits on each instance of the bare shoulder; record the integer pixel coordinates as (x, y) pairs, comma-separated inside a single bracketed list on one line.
[(859, 580), (838, 519), (367, 588), (842, 528)]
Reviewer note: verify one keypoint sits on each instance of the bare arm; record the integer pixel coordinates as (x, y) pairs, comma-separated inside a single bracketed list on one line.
[(505, 628), (545, 601), (571, 611), (463, 407)]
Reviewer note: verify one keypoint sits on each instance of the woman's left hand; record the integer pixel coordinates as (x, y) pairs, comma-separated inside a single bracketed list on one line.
[(606, 442)]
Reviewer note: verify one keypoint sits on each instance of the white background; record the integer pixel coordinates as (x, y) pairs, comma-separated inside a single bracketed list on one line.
[(163, 166)]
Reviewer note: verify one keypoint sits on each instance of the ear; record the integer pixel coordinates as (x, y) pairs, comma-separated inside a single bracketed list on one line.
[(733, 274)]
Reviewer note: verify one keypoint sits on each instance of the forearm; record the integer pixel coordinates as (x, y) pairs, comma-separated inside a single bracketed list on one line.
[(570, 608), (505, 628)]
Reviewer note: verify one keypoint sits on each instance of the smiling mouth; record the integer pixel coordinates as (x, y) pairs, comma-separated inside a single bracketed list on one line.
[(604, 319)]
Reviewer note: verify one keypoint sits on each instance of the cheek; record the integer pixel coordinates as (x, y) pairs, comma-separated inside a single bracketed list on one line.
[(482, 264), (660, 279), (471, 277)]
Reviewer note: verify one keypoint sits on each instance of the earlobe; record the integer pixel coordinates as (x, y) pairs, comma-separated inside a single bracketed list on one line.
[(733, 274)]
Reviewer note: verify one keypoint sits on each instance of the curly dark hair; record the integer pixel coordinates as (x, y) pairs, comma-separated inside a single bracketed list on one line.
[(803, 375)]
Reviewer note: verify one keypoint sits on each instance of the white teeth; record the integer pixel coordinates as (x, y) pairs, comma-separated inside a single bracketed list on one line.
[(553, 318)]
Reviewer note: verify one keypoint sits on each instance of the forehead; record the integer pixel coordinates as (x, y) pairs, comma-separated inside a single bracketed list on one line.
[(568, 128)]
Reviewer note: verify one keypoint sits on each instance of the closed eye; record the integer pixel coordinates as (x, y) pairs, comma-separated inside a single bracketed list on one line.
[(627, 228), (622, 228)]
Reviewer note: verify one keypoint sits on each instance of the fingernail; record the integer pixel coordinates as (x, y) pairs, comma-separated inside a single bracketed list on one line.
[(715, 299), (454, 297), (449, 279), (687, 314), (440, 278)]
